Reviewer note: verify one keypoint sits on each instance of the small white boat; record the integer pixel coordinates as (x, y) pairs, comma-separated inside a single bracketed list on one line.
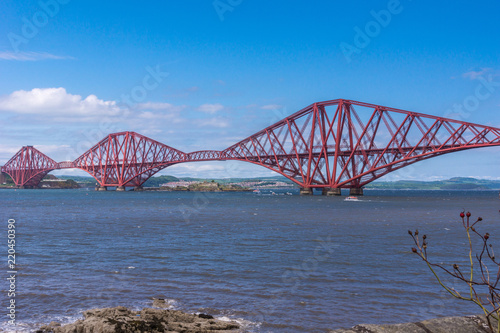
[(256, 191), (351, 198)]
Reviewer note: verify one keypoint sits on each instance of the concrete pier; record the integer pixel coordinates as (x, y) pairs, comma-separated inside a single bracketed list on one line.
[(120, 188), (306, 191), (3, 178), (356, 191), (138, 189), (331, 191), (102, 188)]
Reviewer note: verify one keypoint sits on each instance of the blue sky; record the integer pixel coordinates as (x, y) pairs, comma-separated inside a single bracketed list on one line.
[(206, 74)]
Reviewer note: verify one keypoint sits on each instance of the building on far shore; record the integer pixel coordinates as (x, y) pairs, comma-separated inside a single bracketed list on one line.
[(266, 184), (179, 183)]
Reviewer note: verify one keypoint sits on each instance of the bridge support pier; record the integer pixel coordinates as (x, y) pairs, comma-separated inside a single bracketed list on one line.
[(121, 189), (356, 191), (26, 187), (3, 178), (328, 191), (306, 191), (138, 189), (102, 188)]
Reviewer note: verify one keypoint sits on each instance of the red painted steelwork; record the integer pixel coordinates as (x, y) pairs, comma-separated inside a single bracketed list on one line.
[(204, 155), (28, 166), (66, 165), (333, 144), (330, 144), (127, 159)]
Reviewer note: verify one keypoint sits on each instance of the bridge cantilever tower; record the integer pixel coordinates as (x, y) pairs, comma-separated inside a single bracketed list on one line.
[(28, 166), (329, 145), (127, 159), (347, 144)]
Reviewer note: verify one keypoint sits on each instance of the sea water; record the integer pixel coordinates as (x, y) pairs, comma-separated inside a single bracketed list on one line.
[(275, 263)]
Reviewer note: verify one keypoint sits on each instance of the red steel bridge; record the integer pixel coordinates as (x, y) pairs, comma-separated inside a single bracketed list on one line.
[(330, 145)]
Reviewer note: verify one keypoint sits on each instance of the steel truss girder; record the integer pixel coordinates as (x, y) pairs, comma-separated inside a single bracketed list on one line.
[(28, 166), (127, 159), (335, 144), (328, 144)]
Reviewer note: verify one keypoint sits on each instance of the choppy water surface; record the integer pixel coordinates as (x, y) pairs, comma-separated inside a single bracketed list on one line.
[(275, 263)]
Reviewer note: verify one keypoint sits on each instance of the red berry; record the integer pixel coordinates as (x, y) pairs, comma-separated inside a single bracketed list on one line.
[(468, 214), (462, 214)]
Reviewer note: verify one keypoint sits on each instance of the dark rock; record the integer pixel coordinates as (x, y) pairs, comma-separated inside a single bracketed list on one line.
[(469, 324), (205, 316)]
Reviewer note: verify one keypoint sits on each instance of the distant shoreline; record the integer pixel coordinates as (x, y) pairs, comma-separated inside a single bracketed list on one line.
[(158, 189), (170, 183)]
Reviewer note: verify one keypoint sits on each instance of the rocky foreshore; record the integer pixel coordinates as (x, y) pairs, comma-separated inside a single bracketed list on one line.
[(467, 324), (153, 320), (123, 320)]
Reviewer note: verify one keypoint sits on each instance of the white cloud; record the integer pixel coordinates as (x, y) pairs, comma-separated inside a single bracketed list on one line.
[(48, 149), (8, 150), (155, 116), (150, 131), (218, 169), (200, 166), (271, 107), (473, 75), (210, 108), (30, 56), (58, 103), (159, 111), (214, 122), (193, 89), (70, 172), (160, 106), (148, 115)]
